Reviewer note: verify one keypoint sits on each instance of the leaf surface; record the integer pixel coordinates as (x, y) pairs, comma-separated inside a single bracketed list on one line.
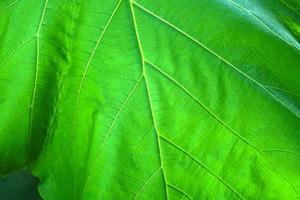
[(152, 99)]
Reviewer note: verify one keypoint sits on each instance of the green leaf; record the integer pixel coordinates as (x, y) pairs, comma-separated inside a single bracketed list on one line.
[(119, 99)]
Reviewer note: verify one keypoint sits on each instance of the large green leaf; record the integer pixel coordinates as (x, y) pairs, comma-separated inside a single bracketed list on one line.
[(118, 99)]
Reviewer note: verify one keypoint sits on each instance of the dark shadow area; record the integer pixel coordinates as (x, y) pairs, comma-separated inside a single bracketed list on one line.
[(20, 185)]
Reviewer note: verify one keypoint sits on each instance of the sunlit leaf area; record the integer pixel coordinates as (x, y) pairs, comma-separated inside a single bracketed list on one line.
[(149, 99)]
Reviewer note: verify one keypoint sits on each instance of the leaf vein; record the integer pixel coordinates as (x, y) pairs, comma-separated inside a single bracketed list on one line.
[(180, 190), (203, 165), (296, 48), (148, 94), (35, 78), (15, 51), (8, 7), (147, 182), (290, 7), (282, 150), (223, 123), (109, 132), (79, 93), (218, 56), (84, 77)]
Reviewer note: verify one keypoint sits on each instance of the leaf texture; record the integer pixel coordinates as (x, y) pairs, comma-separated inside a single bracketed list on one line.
[(123, 99)]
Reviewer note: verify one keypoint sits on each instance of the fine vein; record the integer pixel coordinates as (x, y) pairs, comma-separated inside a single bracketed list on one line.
[(80, 88), (84, 77), (203, 165), (290, 7), (149, 96), (147, 182), (179, 190), (265, 25), (2, 65), (218, 56), (36, 76), (282, 151), (9, 6), (222, 122), (109, 132)]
